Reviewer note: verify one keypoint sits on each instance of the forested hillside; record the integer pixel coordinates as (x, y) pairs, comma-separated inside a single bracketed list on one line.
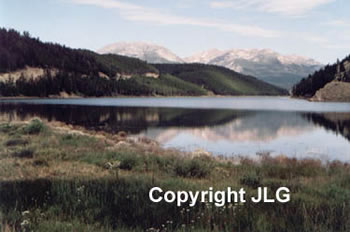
[(220, 80), (308, 87), (29, 67)]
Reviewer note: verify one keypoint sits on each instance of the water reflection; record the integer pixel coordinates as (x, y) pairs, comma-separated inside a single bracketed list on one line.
[(221, 131), (114, 119), (257, 126), (336, 122)]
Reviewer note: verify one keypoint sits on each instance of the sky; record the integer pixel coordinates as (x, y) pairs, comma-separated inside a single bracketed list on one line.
[(318, 29)]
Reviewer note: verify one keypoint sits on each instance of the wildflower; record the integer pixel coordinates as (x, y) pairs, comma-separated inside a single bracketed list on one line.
[(25, 223), (112, 165), (25, 212), (81, 189)]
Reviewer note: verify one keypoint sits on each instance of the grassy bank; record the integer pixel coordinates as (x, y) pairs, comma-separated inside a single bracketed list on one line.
[(68, 179)]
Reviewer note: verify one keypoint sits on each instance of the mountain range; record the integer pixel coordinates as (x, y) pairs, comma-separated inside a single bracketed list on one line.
[(265, 64), (29, 67)]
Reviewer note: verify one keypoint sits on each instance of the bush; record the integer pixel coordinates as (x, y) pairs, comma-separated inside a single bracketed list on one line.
[(196, 168), (5, 128), (128, 163), (40, 162), (35, 127), (252, 180), (15, 142), (24, 153)]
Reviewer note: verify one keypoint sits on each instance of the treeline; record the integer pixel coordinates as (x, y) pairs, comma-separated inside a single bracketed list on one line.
[(307, 87), (95, 86), (54, 85), (20, 50)]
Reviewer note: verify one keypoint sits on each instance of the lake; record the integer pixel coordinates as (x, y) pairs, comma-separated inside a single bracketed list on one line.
[(222, 125)]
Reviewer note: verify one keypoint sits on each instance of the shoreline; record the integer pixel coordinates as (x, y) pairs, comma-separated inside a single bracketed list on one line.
[(309, 99), (136, 96)]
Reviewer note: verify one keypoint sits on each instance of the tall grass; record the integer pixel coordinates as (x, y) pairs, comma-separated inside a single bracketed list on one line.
[(71, 200)]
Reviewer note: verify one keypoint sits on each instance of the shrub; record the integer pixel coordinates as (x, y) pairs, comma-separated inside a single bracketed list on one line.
[(192, 168), (40, 162), (15, 142), (252, 180), (128, 163), (35, 127), (5, 128), (24, 153)]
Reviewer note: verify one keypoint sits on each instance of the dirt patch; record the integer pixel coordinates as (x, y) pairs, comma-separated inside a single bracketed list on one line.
[(27, 73), (335, 91)]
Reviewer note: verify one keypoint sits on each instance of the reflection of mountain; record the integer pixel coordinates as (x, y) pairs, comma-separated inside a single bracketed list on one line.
[(336, 122), (257, 126)]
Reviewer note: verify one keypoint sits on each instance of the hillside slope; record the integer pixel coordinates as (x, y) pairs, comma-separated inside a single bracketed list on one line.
[(334, 91), (30, 67), (220, 80), (326, 83)]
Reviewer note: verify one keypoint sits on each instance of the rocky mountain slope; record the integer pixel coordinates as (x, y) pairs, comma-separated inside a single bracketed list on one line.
[(265, 64), (335, 91), (149, 52)]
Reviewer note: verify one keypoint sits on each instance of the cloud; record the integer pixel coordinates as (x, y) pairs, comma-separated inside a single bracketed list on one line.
[(282, 7), (323, 42), (133, 12), (338, 23)]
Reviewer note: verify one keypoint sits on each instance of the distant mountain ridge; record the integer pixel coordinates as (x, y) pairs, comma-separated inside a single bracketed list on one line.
[(265, 64), (149, 52)]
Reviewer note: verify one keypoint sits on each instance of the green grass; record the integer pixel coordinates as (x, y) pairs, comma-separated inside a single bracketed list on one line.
[(66, 186)]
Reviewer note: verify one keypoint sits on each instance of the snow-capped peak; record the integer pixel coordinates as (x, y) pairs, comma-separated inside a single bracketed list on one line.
[(149, 52), (295, 59), (265, 64), (203, 57), (256, 55)]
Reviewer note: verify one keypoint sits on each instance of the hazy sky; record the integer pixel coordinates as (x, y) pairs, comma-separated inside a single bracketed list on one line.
[(315, 28)]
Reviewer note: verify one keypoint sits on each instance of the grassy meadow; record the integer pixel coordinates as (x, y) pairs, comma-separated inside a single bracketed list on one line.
[(63, 178)]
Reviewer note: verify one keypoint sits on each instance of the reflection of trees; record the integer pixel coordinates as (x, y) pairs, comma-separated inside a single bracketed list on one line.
[(136, 119), (131, 119), (336, 122)]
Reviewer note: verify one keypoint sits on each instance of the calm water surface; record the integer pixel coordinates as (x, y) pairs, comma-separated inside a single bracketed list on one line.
[(221, 125)]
